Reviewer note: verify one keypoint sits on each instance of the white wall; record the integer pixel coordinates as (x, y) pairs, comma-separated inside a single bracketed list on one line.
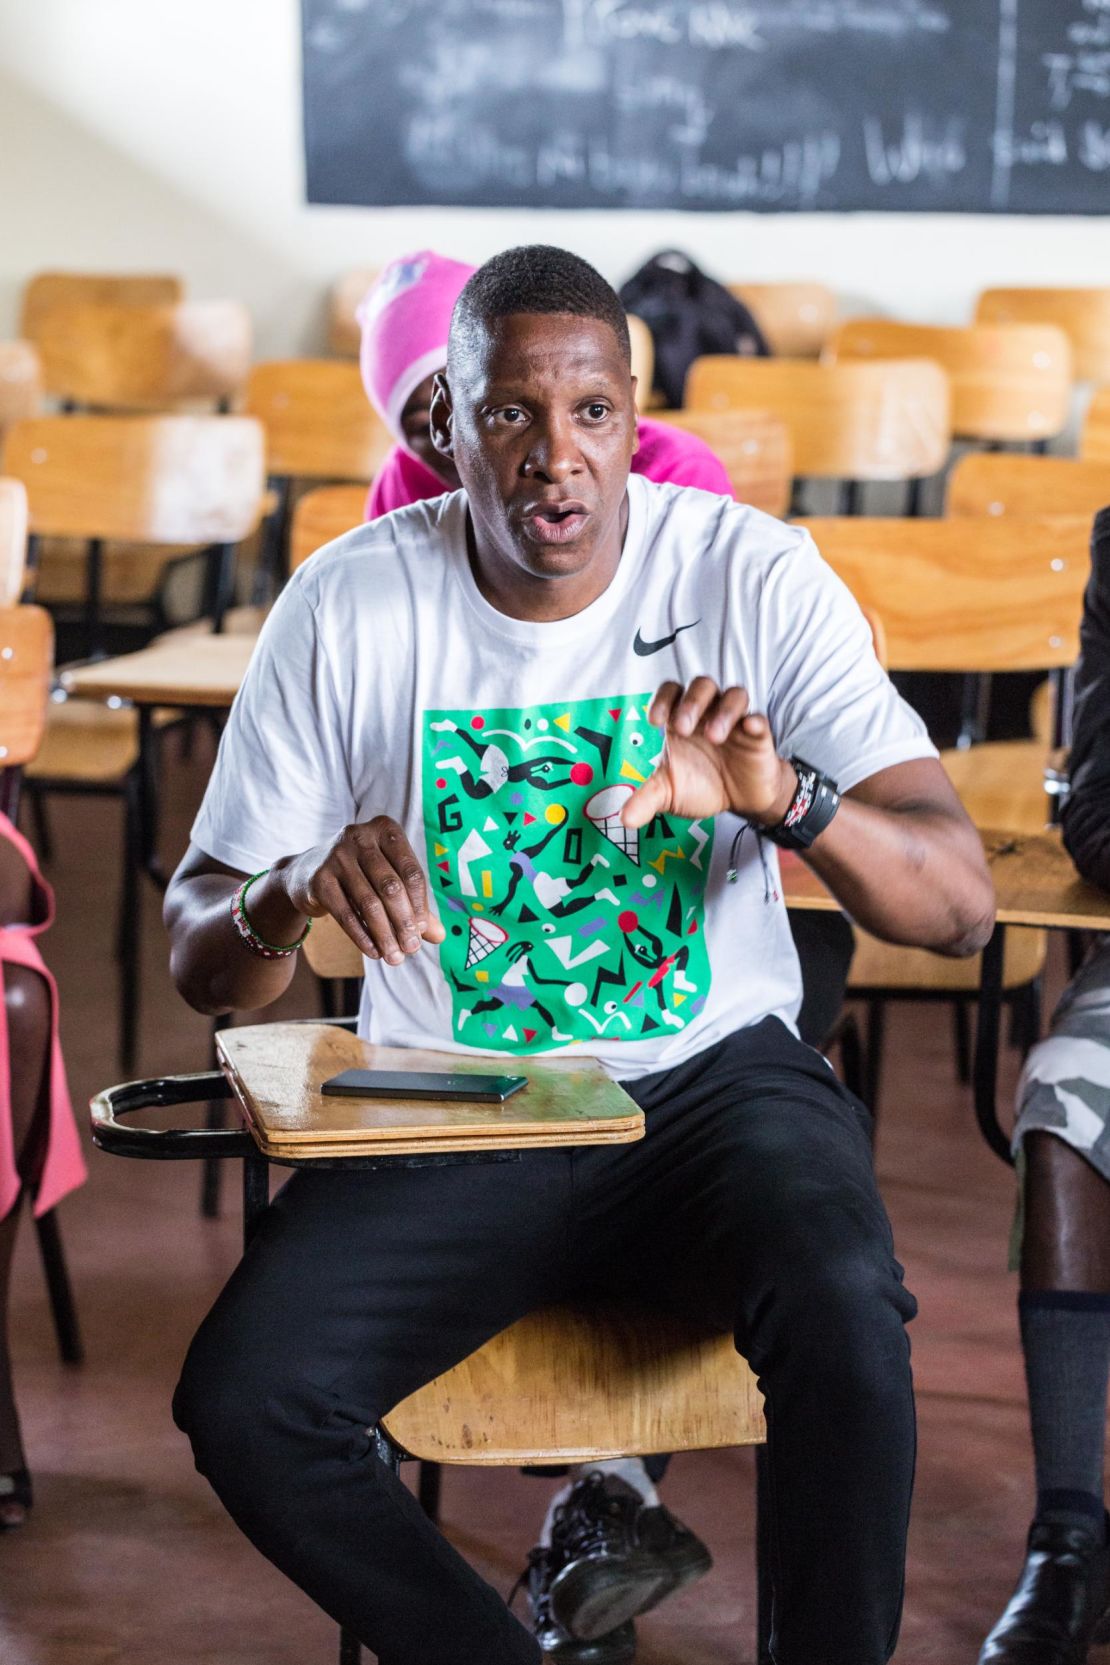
[(166, 134)]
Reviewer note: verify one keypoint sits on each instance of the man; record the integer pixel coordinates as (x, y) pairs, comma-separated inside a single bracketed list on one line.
[(673, 651), (1062, 1142)]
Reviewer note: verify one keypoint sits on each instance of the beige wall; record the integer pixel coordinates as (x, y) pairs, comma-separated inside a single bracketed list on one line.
[(165, 134)]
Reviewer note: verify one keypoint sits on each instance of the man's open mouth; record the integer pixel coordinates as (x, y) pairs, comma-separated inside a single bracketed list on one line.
[(550, 523)]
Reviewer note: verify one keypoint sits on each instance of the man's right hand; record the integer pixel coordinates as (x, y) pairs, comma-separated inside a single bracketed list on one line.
[(370, 881)]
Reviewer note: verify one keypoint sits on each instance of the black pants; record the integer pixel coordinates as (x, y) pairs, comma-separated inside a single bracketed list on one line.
[(751, 1202)]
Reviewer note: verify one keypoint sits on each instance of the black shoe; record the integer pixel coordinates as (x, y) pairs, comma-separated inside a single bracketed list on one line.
[(616, 1648), (1061, 1605), (621, 1558)]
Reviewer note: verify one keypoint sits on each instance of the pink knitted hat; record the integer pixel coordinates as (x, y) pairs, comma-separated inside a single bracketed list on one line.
[(405, 317)]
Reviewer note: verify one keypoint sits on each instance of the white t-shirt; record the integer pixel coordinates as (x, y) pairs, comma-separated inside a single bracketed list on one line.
[(384, 683)]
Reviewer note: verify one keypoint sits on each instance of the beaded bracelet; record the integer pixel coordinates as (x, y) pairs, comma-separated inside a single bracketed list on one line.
[(256, 944)]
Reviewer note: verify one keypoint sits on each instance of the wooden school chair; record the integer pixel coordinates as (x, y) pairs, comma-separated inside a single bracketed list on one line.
[(755, 447), (26, 659), (1094, 442), (47, 290), (796, 318), (344, 298), (643, 361), (968, 596), (321, 515), (848, 422), (13, 540), (1000, 483), (319, 426), (158, 480), (1082, 314), (1010, 382), (20, 382), (123, 357)]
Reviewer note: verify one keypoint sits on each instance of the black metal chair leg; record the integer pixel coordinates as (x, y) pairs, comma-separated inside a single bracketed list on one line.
[(763, 1541), (873, 1074), (130, 926), (429, 1486), (350, 1648), (211, 1170), (62, 1306), (40, 820)]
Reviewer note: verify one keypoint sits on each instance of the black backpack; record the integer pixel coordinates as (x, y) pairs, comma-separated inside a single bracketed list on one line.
[(688, 314)]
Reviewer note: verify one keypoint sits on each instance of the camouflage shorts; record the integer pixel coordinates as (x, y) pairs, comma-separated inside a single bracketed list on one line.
[(1065, 1086)]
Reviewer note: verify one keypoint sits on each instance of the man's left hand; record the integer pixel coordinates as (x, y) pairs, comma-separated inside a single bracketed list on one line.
[(717, 755)]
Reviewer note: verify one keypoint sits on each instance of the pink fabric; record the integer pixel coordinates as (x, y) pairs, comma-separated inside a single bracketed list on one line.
[(668, 455), (405, 319), (64, 1166)]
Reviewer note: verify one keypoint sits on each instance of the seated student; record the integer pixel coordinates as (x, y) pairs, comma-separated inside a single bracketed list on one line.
[(1062, 1142), (607, 1544), (40, 1152), (463, 674), (405, 318)]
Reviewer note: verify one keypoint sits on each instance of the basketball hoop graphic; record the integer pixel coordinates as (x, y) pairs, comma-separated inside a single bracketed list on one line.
[(486, 937), (604, 810)]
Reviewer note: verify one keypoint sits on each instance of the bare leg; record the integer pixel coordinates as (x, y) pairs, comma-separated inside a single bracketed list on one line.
[(27, 1006), (1066, 1241)]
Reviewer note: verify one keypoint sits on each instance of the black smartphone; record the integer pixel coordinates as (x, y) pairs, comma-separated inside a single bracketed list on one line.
[(481, 1089)]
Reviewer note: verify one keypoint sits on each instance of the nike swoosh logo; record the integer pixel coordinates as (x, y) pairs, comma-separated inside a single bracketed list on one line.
[(644, 648)]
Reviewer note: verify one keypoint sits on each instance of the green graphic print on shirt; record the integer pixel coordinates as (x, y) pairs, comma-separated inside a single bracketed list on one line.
[(562, 924)]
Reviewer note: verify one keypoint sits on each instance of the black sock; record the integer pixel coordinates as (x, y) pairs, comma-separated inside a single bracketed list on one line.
[(1065, 1336)]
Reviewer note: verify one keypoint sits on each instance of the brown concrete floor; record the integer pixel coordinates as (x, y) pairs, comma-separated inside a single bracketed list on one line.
[(128, 1557)]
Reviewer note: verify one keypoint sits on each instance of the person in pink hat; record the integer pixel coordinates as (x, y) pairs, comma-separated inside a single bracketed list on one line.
[(405, 318)]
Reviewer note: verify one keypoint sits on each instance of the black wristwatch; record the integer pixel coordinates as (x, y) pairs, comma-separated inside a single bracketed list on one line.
[(812, 807)]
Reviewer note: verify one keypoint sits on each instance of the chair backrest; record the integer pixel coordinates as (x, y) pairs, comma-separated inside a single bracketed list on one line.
[(13, 540), (20, 382), (582, 1385), (344, 334), (319, 423), (128, 357), (796, 318), (1094, 443), (1009, 381), (962, 594), (755, 447), (26, 661), (643, 360), (847, 421), (47, 290), (151, 479), (321, 515), (1001, 483), (1082, 314)]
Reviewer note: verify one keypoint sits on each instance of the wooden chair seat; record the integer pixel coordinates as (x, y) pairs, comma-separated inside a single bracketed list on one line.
[(84, 742), (581, 1385), (1094, 443), (891, 968), (1001, 783)]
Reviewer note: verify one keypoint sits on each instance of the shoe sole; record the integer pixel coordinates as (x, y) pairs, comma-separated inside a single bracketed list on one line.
[(682, 1573), (589, 1598)]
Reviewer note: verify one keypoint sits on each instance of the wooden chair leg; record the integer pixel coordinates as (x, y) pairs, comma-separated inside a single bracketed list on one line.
[(62, 1305), (763, 1542)]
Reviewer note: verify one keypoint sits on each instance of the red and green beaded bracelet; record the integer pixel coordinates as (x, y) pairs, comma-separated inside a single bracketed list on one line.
[(258, 945)]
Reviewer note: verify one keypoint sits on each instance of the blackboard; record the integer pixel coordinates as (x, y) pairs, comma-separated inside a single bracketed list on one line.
[(966, 106)]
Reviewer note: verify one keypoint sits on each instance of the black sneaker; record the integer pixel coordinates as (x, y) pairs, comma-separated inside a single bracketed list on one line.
[(1061, 1606), (620, 1557), (617, 1647)]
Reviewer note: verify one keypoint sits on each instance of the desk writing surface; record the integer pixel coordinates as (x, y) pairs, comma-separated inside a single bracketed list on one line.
[(198, 670), (277, 1069), (1035, 883)]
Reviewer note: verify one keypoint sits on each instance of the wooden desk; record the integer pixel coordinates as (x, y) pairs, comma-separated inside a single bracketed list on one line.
[(276, 1071), (200, 672), (1035, 884)]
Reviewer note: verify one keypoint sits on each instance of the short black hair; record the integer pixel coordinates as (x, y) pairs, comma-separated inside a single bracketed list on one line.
[(538, 278)]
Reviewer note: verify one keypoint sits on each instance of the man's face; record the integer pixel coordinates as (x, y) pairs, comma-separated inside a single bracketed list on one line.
[(540, 423), (417, 429)]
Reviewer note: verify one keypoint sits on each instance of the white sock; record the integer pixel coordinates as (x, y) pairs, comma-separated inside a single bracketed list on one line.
[(629, 1469)]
